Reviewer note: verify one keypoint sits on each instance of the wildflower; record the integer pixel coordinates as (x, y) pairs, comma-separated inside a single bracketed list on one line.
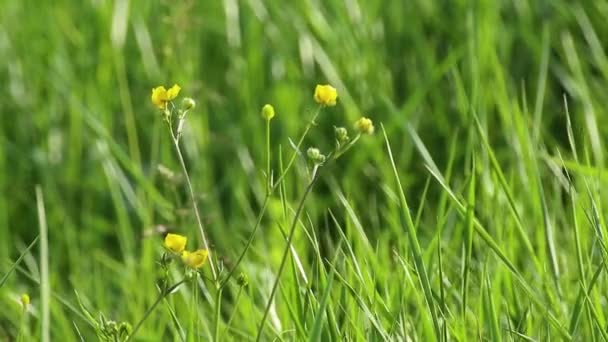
[(175, 243), (188, 103), (173, 92), (364, 125), (268, 112), (195, 259), (326, 95), (341, 134), (160, 95), (25, 301), (315, 155)]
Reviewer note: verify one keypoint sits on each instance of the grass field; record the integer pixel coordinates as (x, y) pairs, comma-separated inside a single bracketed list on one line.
[(475, 212)]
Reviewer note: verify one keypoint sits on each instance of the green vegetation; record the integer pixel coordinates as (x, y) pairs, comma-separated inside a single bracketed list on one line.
[(475, 211)]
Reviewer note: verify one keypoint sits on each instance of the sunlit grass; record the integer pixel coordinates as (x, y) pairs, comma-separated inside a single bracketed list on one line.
[(474, 211)]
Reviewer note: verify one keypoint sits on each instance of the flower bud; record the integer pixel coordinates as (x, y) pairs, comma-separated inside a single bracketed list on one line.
[(315, 155), (364, 126), (242, 280), (188, 103), (124, 330), (25, 301), (268, 112), (341, 134)]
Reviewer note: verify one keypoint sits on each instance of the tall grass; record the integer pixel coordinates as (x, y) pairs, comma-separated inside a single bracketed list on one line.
[(476, 212)]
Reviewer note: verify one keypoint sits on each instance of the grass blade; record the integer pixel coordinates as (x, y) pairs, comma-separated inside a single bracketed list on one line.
[(416, 250), (16, 263)]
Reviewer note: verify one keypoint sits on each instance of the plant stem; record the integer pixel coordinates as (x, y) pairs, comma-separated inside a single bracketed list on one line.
[(295, 153), (270, 189), (294, 224), (268, 178), (236, 305), (218, 307), (161, 296), (22, 325), (194, 204), (251, 237)]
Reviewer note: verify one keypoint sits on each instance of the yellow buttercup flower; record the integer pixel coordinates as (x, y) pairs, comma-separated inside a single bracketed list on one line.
[(160, 95), (173, 92), (364, 125), (326, 95), (195, 259), (175, 243)]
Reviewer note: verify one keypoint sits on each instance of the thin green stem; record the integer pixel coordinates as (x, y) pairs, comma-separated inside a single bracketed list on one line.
[(195, 290), (21, 325), (236, 305), (161, 296), (218, 308), (295, 153), (270, 189), (268, 178), (346, 147), (194, 204), (292, 230), (249, 242)]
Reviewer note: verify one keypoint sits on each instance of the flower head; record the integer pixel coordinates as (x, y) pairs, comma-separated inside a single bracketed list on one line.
[(175, 243), (325, 95), (195, 259), (268, 112), (160, 95), (173, 92), (364, 125)]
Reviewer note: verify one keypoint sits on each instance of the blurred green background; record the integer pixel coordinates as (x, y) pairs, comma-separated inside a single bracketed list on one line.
[(76, 119)]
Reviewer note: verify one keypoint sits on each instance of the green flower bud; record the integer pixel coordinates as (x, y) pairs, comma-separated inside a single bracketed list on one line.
[(111, 328), (341, 134), (242, 280), (124, 330), (268, 112), (315, 155), (188, 103)]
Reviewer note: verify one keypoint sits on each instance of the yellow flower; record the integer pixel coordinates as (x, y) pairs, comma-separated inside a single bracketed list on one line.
[(175, 243), (195, 259), (326, 95), (173, 92), (364, 125), (160, 95)]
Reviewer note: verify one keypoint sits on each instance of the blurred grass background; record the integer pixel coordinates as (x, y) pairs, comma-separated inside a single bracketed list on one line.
[(77, 119)]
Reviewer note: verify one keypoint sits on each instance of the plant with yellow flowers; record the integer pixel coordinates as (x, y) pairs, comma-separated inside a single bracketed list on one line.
[(161, 96), (326, 96), (192, 261)]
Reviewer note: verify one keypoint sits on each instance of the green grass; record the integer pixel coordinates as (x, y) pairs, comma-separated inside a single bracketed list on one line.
[(475, 212)]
